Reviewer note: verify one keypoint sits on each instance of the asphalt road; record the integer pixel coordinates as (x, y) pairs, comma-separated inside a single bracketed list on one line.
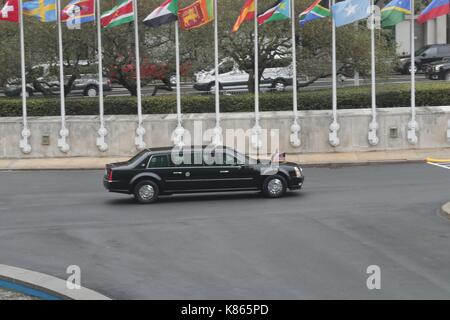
[(316, 243)]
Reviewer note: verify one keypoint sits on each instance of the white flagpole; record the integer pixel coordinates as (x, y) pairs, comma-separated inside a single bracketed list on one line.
[(217, 132), (334, 127), (179, 131), (295, 128), (373, 126), (412, 125), (64, 132), (26, 133), (102, 132), (140, 131), (256, 131)]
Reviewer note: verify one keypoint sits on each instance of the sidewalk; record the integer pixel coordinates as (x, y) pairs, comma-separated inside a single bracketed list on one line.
[(316, 159)]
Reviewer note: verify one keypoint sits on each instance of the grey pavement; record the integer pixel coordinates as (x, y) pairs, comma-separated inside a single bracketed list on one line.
[(316, 243)]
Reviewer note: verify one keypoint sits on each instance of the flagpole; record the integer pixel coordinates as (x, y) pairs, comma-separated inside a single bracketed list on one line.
[(178, 134), (334, 127), (102, 132), (412, 125), (64, 132), (217, 132), (373, 126), (295, 138), (26, 133), (256, 131), (140, 131)]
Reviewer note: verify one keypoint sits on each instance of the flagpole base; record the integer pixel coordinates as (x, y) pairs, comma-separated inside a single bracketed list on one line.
[(255, 138), (139, 138), (333, 135), (23, 144), (217, 138), (62, 141), (101, 143), (178, 136), (413, 128), (372, 135), (295, 138)]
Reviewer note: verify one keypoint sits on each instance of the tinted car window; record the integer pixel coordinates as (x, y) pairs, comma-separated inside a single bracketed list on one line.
[(431, 52), (160, 161), (444, 50)]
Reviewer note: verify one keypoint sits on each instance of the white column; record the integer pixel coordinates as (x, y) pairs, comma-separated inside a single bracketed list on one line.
[(178, 134), (295, 138), (412, 125), (102, 132), (140, 131), (217, 138), (64, 132), (26, 133), (373, 126), (256, 130), (334, 126)]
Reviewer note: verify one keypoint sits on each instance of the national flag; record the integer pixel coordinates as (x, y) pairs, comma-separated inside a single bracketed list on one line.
[(44, 10), (10, 11), (319, 9), (281, 10), (120, 14), (79, 10), (196, 15), (350, 11), (435, 9), (247, 14), (394, 12), (165, 13)]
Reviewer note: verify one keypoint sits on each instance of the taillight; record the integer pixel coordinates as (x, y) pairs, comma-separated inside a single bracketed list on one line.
[(110, 175)]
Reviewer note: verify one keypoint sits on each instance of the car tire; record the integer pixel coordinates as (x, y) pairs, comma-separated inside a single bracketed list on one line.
[(91, 91), (279, 85), (29, 92), (408, 68), (274, 186), (146, 191), (212, 87), (447, 76)]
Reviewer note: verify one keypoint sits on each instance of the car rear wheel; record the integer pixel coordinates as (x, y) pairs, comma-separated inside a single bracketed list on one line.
[(447, 76), (279, 85), (409, 68), (146, 192), (91, 91), (274, 186)]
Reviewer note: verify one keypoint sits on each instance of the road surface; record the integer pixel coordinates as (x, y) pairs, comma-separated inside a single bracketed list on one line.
[(316, 243)]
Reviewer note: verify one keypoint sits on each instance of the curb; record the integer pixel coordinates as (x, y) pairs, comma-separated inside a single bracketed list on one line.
[(445, 209), (43, 286)]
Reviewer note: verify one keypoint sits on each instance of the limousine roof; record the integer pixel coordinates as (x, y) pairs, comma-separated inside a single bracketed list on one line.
[(190, 148)]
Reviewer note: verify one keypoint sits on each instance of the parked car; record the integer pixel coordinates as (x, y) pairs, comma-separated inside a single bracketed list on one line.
[(438, 70), (424, 56), (230, 76), (164, 171), (87, 83)]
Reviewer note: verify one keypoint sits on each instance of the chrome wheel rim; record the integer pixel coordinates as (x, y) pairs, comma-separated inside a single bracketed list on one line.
[(146, 192), (275, 186), (92, 92), (279, 86)]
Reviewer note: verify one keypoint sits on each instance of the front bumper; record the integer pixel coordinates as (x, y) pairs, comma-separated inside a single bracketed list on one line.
[(296, 183), (201, 86)]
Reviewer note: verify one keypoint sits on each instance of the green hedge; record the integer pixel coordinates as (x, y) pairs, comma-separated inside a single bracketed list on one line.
[(429, 94)]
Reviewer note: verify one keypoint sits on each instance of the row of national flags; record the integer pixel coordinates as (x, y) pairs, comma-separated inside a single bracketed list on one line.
[(201, 12), (348, 11)]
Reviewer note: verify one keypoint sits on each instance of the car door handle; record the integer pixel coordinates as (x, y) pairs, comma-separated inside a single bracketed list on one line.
[(177, 172), (224, 171)]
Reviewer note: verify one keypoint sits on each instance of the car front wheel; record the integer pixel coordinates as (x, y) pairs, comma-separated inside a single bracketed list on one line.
[(279, 85), (91, 91), (274, 186), (146, 192)]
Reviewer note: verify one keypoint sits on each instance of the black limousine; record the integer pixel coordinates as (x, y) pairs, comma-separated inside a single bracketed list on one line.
[(165, 171)]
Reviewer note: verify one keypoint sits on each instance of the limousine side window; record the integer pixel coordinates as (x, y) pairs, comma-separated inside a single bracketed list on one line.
[(159, 161)]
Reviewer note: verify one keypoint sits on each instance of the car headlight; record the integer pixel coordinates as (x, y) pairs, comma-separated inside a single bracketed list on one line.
[(298, 172)]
